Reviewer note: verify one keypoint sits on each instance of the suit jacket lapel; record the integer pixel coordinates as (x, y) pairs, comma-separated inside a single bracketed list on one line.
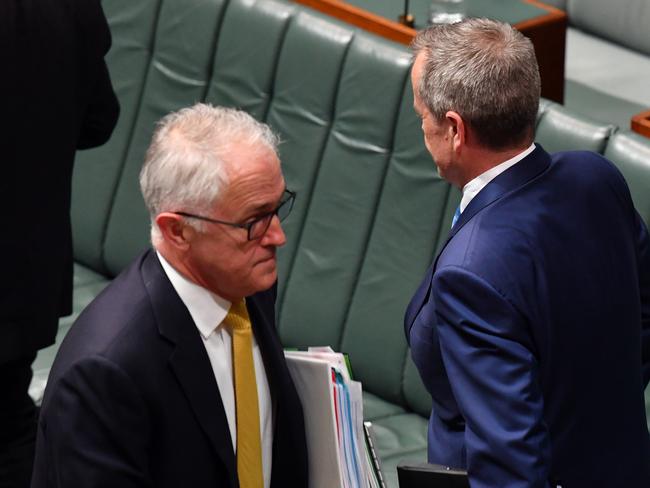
[(289, 448), (513, 178), (189, 361), (263, 325), (263, 330)]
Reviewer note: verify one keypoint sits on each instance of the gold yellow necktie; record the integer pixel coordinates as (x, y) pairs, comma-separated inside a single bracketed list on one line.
[(249, 449)]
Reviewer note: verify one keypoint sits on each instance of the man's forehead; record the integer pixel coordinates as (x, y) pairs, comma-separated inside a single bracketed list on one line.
[(242, 157), (256, 182), (416, 96)]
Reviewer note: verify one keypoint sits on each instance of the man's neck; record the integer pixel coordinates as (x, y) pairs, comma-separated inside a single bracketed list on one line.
[(176, 261), (478, 160)]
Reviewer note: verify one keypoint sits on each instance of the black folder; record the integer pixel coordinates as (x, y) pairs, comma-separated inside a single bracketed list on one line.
[(430, 476)]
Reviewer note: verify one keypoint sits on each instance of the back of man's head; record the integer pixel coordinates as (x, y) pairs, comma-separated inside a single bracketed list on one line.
[(487, 72)]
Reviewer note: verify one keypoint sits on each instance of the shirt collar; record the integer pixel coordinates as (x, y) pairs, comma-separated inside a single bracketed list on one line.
[(471, 189), (206, 308)]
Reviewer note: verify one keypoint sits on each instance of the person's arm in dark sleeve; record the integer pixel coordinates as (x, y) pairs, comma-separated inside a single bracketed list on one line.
[(95, 431), (102, 110), (101, 114), (487, 352), (643, 246)]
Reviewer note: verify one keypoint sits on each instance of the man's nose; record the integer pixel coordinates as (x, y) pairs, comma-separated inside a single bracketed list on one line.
[(274, 234)]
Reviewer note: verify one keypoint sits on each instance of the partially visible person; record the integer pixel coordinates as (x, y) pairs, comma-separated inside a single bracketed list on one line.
[(56, 97), (531, 330), (161, 381)]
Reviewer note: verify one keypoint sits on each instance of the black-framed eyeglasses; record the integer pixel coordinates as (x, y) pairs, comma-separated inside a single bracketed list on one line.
[(257, 227)]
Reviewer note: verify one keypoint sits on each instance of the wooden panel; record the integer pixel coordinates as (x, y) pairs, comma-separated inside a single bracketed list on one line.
[(548, 35), (362, 18), (640, 123), (547, 32)]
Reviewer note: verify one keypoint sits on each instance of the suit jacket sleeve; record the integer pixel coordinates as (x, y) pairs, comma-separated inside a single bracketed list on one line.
[(643, 240), (488, 354), (102, 110), (95, 430)]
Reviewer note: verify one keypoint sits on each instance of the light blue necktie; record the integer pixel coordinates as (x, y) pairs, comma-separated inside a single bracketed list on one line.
[(456, 217)]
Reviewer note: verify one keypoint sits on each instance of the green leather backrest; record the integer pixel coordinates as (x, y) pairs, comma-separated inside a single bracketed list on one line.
[(559, 129), (97, 171), (343, 202), (177, 75), (625, 22), (631, 153), (371, 211), (303, 109)]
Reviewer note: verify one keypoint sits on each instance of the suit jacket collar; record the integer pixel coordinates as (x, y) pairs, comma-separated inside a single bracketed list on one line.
[(191, 366), (188, 361), (513, 178)]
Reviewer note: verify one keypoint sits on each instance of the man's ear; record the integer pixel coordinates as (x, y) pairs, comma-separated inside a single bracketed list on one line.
[(174, 231), (457, 130)]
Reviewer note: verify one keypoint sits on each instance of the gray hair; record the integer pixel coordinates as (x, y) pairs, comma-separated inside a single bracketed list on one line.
[(185, 167), (487, 72)]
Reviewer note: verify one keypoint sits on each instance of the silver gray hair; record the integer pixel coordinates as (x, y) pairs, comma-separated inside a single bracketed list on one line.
[(487, 72), (186, 165)]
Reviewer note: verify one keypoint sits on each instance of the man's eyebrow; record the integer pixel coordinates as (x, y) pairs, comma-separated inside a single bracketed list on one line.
[(255, 210), (264, 207)]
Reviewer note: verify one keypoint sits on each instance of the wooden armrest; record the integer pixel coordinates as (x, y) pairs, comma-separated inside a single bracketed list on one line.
[(640, 123), (547, 32)]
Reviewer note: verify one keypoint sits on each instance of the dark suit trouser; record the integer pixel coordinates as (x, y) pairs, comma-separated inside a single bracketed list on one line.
[(18, 416)]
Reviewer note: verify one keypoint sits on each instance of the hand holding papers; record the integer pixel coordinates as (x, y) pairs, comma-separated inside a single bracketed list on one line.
[(333, 406)]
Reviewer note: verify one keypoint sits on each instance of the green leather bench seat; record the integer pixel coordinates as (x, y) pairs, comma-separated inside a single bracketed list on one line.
[(371, 210)]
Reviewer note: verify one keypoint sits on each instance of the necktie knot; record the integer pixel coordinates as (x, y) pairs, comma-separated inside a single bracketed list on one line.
[(237, 317)]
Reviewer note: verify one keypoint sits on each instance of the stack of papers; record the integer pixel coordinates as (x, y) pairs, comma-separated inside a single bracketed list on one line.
[(340, 448)]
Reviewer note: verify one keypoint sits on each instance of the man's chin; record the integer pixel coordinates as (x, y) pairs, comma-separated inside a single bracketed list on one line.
[(267, 279)]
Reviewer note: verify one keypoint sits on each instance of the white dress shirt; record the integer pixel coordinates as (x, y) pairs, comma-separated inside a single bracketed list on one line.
[(208, 312), (471, 189)]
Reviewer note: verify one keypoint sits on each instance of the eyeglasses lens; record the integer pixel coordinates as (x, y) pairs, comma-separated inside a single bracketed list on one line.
[(285, 208), (259, 227)]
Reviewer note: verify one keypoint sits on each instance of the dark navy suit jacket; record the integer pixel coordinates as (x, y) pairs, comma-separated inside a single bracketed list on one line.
[(132, 400), (531, 331)]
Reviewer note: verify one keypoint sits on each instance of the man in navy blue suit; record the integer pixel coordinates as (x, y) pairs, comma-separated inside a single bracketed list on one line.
[(531, 330), (174, 376)]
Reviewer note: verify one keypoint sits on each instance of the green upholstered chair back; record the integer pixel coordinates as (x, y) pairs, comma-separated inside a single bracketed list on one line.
[(559, 129), (625, 22), (631, 153), (178, 74), (371, 211), (98, 171)]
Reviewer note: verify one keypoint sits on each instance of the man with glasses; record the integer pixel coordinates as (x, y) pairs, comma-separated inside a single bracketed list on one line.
[(175, 376)]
